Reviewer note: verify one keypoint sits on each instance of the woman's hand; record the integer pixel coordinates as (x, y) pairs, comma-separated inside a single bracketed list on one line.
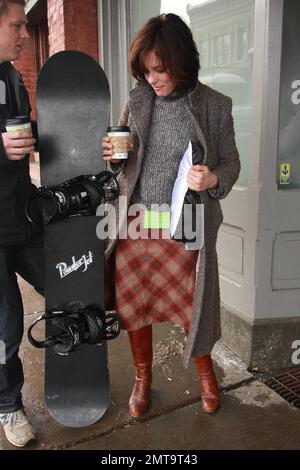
[(18, 144), (108, 151), (200, 178)]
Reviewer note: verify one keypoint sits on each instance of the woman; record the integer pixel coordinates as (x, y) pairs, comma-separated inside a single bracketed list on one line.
[(158, 279)]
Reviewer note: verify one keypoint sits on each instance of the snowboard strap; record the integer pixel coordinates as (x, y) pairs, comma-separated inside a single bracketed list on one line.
[(73, 326), (79, 196)]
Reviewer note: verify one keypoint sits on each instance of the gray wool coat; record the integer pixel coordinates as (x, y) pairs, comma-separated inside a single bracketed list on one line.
[(211, 112)]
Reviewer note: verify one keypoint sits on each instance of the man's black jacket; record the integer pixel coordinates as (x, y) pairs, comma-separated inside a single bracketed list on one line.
[(15, 184)]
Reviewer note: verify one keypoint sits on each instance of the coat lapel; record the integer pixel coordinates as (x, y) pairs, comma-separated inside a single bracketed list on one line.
[(141, 98), (197, 105)]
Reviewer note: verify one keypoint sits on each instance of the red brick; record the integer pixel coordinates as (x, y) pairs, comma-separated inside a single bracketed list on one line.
[(73, 24)]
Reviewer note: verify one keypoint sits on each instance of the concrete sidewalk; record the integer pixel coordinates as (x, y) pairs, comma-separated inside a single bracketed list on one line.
[(252, 416)]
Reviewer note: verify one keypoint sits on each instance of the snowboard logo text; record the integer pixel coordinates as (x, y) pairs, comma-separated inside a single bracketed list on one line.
[(85, 261)]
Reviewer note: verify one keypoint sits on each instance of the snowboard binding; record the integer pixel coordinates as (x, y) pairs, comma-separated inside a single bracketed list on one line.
[(78, 196), (74, 326)]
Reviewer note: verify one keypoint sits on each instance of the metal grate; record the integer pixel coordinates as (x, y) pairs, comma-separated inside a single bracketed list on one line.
[(287, 385)]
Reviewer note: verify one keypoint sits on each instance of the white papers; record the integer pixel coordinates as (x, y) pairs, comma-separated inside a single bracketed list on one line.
[(187, 220), (180, 188)]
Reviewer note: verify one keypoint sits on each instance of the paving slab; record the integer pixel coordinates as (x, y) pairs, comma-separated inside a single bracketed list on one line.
[(173, 386), (253, 417)]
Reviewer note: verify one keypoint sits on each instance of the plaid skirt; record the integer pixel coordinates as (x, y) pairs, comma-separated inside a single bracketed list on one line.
[(154, 281)]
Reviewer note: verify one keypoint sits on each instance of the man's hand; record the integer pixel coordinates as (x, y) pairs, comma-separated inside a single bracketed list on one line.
[(200, 178), (18, 144)]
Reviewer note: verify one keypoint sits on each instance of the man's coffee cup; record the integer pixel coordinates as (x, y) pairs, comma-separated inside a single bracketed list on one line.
[(119, 137), (18, 123)]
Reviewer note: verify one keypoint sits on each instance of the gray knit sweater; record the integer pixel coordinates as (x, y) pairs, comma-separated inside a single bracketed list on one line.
[(171, 130)]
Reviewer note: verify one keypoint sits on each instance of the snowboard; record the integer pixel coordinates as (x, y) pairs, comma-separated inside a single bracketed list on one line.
[(73, 106)]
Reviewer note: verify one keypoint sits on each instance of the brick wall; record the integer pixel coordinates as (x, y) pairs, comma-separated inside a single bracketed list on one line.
[(56, 25), (81, 26), (73, 24)]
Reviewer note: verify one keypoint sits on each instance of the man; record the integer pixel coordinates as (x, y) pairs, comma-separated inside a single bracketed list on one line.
[(21, 250)]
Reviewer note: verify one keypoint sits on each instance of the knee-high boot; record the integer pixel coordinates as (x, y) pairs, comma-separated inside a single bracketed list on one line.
[(209, 390), (141, 347)]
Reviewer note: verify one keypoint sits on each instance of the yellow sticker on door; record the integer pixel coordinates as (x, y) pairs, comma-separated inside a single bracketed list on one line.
[(285, 173)]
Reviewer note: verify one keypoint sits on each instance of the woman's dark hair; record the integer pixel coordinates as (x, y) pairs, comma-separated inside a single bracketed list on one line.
[(172, 42)]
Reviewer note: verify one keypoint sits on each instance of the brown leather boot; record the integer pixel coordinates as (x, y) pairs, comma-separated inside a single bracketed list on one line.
[(141, 347), (209, 390)]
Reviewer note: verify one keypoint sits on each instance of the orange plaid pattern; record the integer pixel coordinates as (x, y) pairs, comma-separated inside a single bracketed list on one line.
[(155, 282)]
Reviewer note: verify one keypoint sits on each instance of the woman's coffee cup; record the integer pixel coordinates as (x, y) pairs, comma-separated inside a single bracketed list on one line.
[(18, 123), (119, 137)]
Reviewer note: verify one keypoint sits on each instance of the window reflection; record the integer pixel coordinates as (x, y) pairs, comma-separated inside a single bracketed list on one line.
[(289, 116), (222, 50), (224, 33), (243, 43), (204, 52)]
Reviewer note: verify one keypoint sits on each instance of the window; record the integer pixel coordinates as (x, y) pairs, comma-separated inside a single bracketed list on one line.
[(204, 52), (226, 58), (289, 116), (242, 43), (222, 50), (224, 33), (37, 18), (113, 47), (41, 43)]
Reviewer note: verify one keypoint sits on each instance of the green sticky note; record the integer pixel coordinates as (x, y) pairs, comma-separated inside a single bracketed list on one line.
[(157, 220)]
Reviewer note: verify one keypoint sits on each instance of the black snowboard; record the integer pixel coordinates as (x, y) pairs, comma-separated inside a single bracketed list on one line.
[(73, 105)]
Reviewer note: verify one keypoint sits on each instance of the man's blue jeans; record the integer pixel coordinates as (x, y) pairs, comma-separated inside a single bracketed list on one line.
[(28, 262)]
